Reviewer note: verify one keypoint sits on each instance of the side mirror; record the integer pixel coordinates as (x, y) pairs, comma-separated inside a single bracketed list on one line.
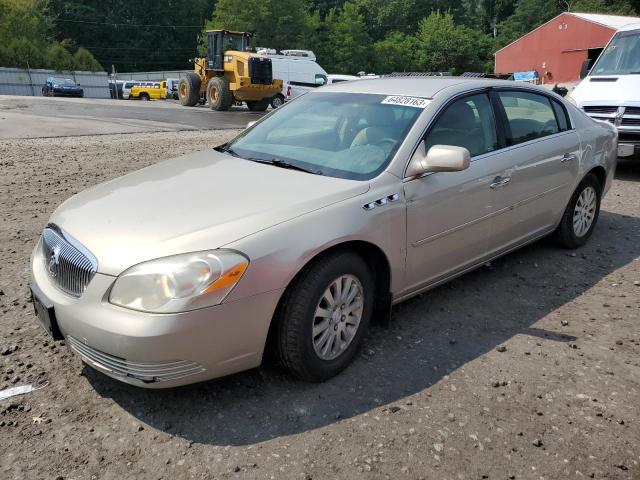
[(439, 158), (584, 71), (251, 123)]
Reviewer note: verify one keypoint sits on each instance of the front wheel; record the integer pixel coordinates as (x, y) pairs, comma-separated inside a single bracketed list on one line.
[(581, 215), (324, 316)]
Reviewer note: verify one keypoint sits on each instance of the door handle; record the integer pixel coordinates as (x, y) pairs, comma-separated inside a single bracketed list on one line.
[(569, 157), (500, 182)]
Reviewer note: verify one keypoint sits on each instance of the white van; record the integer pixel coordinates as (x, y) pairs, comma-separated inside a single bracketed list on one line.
[(610, 90), (298, 68)]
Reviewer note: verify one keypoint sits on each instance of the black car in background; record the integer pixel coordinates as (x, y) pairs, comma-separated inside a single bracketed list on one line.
[(63, 87)]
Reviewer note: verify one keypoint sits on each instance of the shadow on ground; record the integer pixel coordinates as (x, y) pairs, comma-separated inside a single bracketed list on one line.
[(430, 336)]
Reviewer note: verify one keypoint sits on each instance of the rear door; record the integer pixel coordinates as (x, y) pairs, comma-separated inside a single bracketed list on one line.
[(531, 186)]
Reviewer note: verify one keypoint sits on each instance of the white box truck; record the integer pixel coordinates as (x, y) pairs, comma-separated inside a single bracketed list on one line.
[(610, 90)]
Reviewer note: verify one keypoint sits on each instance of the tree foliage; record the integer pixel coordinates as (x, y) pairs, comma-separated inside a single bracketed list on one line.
[(347, 36)]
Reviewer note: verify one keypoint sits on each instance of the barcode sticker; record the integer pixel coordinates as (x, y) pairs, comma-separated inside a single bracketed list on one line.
[(406, 101)]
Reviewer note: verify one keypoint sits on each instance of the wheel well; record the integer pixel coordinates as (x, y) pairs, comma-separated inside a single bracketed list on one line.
[(371, 254), (601, 174)]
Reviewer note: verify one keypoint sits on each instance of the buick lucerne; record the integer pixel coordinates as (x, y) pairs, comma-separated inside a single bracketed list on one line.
[(320, 216)]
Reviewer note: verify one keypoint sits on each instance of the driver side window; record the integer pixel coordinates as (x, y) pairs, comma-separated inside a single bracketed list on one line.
[(468, 123)]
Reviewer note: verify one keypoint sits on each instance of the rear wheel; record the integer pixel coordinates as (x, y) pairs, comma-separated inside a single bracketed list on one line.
[(581, 215), (258, 105), (144, 97), (189, 89), (219, 95), (324, 316)]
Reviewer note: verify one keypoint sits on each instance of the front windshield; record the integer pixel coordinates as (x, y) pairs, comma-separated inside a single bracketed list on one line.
[(63, 81), (346, 135), (233, 42), (621, 57)]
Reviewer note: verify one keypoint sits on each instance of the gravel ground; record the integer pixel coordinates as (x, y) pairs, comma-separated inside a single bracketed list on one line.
[(528, 368)]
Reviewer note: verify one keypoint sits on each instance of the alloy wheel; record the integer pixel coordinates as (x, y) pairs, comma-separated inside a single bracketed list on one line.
[(584, 211), (337, 317)]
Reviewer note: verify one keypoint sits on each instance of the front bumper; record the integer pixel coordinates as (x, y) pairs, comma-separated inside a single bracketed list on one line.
[(159, 350), (59, 92)]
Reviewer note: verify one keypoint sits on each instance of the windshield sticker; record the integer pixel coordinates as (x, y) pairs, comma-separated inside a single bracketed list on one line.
[(406, 101)]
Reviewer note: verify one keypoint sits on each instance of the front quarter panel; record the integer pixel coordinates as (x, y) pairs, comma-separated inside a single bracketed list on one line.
[(279, 253)]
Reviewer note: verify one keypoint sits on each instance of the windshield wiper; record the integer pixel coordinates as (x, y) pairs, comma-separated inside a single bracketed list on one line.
[(227, 149), (277, 162)]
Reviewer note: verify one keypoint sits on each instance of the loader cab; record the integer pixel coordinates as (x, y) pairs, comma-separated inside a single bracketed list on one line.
[(221, 41)]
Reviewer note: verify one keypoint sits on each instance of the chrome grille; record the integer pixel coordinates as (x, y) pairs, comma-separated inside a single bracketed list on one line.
[(69, 265), (632, 111), (147, 372), (600, 109)]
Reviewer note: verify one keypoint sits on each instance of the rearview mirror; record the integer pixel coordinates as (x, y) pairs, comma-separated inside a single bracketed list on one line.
[(439, 158)]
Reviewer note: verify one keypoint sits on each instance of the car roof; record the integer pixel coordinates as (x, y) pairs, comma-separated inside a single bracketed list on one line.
[(425, 87)]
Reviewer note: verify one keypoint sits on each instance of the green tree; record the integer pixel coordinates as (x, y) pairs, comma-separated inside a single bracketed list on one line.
[(83, 60), (58, 58), (133, 35), (348, 41), (528, 15), (445, 46), (396, 53), (275, 24), (385, 16), (616, 7), (21, 53)]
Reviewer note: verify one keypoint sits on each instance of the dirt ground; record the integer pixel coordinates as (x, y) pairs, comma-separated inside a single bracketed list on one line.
[(525, 369)]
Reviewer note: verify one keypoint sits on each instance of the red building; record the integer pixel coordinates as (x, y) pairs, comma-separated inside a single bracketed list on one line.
[(557, 48)]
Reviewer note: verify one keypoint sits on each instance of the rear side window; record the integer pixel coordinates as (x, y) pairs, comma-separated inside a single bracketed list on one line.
[(467, 123), (561, 115), (530, 116)]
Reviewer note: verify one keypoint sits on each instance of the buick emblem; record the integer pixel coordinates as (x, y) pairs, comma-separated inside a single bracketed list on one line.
[(54, 260)]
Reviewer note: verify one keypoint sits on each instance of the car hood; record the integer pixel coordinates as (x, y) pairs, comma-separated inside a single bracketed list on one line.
[(197, 202), (624, 90)]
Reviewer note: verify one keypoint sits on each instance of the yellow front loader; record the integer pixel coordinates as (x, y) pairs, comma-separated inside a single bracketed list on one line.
[(229, 74)]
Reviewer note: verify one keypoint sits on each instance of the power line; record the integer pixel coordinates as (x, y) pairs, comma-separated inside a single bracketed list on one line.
[(127, 24)]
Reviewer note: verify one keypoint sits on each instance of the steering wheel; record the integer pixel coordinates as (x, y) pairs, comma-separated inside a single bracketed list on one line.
[(387, 140)]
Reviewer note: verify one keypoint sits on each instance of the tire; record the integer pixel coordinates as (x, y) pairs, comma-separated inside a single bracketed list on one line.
[(277, 101), (144, 97), (584, 206), (189, 89), (258, 105), (219, 95), (297, 348)]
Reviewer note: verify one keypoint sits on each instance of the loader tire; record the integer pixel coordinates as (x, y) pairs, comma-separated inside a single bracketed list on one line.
[(189, 89), (219, 95), (258, 105)]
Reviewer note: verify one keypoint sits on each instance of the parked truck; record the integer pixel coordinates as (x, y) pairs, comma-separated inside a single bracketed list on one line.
[(149, 91), (229, 74), (610, 90)]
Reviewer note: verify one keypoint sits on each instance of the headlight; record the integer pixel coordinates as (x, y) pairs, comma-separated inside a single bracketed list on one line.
[(179, 283)]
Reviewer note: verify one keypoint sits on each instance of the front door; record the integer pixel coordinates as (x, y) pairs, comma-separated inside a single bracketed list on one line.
[(448, 212)]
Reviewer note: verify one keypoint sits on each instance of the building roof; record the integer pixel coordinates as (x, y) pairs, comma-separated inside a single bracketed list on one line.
[(611, 21)]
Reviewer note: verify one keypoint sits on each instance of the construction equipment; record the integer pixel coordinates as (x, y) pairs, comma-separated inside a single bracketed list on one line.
[(228, 74)]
